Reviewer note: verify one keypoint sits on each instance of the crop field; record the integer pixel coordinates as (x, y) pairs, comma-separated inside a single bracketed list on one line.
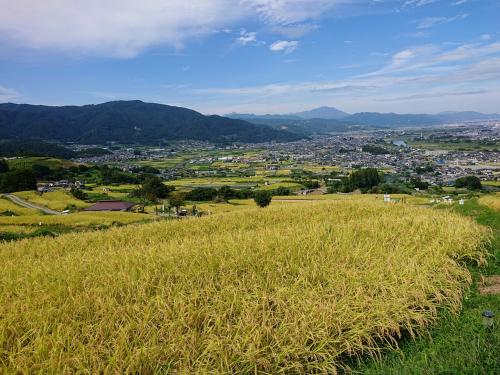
[(113, 192), (410, 199), (27, 162), (491, 183), (282, 289), (18, 229), (491, 201), (80, 219), (454, 146), (55, 200), (8, 206)]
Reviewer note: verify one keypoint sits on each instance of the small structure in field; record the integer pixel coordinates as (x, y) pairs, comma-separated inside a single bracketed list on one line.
[(387, 198), (448, 199), (111, 205)]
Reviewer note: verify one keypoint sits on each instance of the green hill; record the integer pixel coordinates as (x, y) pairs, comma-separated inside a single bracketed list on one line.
[(128, 122)]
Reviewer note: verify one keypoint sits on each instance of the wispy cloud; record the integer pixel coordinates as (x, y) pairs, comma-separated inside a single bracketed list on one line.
[(418, 3), (286, 12), (123, 28), (286, 46), (294, 30), (7, 94), (429, 22), (427, 72), (248, 38), (438, 94)]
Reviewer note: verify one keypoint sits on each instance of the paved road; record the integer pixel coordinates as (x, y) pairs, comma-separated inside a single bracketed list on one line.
[(23, 203)]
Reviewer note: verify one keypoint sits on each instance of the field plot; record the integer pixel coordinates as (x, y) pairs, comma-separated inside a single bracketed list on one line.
[(55, 200), (281, 289), (491, 201), (28, 162), (414, 200), (80, 219), (7, 207)]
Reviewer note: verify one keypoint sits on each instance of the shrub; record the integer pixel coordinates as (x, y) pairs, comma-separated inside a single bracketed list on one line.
[(262, 198)]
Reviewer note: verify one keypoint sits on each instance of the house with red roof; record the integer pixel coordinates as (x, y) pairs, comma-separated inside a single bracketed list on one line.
[(111, 205)]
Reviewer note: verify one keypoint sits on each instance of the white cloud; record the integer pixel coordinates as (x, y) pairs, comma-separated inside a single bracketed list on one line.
[(124, 28), (288, 12), (418, 3), (286, 46), (459, 2), (7, 94), (429, 22), (248, 38), (485, 37)]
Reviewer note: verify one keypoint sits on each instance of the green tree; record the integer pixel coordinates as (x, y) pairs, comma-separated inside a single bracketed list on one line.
[(17, 180), (262, 198), (417, 182), (153, 189), (78, 193), (469, 182), (4, 167), (364, 178), (176, 201)]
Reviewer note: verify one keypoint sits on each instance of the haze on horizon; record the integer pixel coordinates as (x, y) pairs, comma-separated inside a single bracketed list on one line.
[(254, 56)]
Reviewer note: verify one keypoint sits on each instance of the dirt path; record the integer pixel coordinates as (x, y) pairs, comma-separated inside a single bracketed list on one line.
[(26, 204)]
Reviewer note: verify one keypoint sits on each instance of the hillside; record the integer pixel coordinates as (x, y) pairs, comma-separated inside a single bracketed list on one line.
[(128, 122), (30, 147), (308, 127), (257, 291)]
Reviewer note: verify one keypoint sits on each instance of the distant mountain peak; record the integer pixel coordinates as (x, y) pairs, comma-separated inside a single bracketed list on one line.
[(324, 112)]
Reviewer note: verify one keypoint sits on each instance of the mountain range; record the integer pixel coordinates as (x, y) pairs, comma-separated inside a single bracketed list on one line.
[(128, 122), (330, 119), (138, 122)]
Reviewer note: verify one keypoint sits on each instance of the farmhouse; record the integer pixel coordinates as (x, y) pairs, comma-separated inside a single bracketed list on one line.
[(111, 205)]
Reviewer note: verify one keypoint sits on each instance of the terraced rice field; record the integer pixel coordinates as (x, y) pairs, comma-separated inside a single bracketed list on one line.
[(295, 288)]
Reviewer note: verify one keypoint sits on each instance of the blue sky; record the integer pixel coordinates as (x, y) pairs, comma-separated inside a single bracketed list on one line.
[(259, 56)]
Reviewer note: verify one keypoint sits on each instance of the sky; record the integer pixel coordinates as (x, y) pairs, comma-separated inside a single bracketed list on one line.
[(254, 56)]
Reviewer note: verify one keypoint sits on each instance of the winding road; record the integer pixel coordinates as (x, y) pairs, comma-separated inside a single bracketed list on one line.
[(26, 204)]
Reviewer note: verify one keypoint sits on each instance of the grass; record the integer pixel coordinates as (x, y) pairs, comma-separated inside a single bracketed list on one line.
[(282, 289), (458, 344), (55, 200)]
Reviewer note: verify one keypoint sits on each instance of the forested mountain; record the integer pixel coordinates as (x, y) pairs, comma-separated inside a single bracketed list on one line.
[(128, 122)]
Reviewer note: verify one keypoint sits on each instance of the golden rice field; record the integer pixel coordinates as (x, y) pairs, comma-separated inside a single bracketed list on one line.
[(17, 229), (55, 200), (410, 199), (79, 219), (276, 290), (492, 201), (7, 205)]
